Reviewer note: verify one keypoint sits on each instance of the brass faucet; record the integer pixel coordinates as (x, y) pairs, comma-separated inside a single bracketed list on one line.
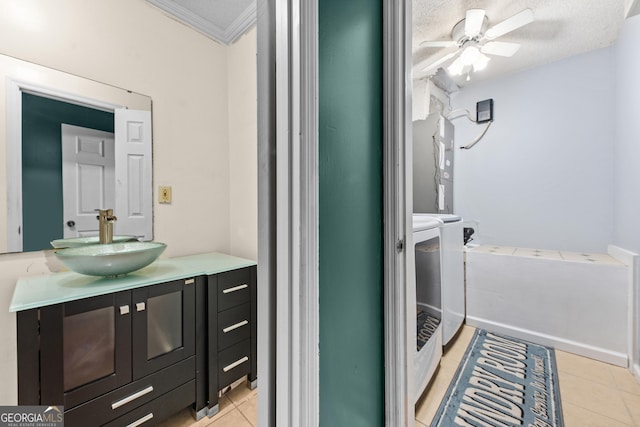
[(106, 218)]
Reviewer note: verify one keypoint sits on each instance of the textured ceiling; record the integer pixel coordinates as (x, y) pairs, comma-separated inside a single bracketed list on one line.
[(562, 28)]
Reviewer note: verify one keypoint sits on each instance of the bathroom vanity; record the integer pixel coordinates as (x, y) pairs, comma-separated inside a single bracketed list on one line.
[(134, 350)]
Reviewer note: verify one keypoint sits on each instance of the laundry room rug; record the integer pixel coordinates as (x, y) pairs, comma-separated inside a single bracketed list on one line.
[(503, 381)]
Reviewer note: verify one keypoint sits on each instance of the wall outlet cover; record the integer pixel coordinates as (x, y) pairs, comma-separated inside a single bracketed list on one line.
[(164, 194)]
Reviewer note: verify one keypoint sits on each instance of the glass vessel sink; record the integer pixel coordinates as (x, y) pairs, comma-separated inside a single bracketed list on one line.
[(74, 242), (110, 260)]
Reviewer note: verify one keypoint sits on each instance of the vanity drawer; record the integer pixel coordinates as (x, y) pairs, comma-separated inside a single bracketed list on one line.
[(158, 409), (233, 288), (234, 362), (119, 402), (234, 325)]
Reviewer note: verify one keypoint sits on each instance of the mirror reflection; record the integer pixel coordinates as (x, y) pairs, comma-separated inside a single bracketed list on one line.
[(72, 146)]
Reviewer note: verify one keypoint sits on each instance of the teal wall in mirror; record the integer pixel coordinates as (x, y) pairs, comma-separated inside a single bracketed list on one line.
[(42, 193)]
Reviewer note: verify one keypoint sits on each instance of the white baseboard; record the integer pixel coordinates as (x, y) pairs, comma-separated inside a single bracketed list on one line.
[(604, 355), (635, 370)]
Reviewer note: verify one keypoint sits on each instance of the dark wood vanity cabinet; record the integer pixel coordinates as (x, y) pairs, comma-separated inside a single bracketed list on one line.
[(106, 356), (136, 356), (232, 312)]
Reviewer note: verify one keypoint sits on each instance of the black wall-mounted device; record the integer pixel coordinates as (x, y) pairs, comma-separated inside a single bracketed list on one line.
[(484, 111)]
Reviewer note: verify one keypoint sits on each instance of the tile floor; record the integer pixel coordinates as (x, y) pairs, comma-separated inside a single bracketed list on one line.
[(594, 394), (238, 408)]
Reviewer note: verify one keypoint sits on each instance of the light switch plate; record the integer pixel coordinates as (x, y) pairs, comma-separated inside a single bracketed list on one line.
[(164, 194)]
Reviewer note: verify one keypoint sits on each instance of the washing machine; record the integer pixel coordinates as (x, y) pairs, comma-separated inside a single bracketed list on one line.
[(425, 301), (453, 295)]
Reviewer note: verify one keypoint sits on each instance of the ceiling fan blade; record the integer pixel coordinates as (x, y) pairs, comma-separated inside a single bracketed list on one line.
[(439, 43), (473, 22), (440, 61), (500, 48), (518, 20)]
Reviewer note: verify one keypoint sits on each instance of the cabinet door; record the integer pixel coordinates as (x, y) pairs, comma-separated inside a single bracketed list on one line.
[(163, 325), (85, 348)]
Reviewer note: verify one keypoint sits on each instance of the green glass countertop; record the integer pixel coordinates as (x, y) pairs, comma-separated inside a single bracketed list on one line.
[(40, 291)]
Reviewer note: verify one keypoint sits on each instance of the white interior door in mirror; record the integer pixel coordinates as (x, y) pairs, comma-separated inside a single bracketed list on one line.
[(134, 198), (88, 178)]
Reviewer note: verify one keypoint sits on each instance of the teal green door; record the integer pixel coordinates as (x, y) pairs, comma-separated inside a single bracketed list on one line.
[(350, 213)]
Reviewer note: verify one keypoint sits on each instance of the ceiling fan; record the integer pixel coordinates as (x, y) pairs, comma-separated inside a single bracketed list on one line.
[(475, 40)]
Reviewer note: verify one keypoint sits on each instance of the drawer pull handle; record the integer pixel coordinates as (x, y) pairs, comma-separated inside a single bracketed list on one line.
[(234, 364), (236, 326), (235, 288), (131, 398), (140, 306), (190, 281), (141, 420), (124, 309)]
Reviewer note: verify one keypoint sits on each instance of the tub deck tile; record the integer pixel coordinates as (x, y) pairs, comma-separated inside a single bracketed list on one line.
[(538, 253), (589, 257), (492, 249)]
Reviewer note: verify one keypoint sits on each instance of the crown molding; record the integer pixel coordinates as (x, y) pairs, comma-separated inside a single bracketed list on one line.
[(243, 23)]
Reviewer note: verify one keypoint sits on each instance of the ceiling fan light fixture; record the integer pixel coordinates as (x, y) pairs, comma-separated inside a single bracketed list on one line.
[(456, 68), (481, 63), (470, 55)]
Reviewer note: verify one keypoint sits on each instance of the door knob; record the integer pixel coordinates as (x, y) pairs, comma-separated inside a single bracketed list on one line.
[(71, 224)]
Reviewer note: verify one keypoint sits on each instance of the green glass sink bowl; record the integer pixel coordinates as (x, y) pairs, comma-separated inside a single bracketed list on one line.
[(110, 260), (74, 242)]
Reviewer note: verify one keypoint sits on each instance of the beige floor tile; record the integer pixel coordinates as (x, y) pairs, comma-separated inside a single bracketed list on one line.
[(625, 380), (633, 405), (240, 394), (224, 406), (455, 350), (419, 424), (428, 404), (583, 367), (232, 418), (249, 408), (575, 416), (595, 397), (184, 419)]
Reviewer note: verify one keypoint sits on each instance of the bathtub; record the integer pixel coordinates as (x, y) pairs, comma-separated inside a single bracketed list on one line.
[(577, 302)]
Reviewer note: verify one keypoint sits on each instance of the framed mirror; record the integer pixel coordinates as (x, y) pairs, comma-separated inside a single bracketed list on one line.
[(70, 145)]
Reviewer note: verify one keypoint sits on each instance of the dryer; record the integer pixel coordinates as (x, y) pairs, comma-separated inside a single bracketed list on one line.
[(425, 302)]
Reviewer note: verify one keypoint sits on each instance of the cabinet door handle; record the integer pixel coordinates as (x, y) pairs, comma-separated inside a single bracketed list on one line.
[(124, 309), (234, 364), (236, 326), (190, 281), (235, 288), (132, 397), (141, 420), (140, 306)]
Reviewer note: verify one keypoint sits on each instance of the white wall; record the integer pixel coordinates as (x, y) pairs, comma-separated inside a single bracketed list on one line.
[(542, 177), (626, 231), (627, 147), (243, 154), (131, 44)]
